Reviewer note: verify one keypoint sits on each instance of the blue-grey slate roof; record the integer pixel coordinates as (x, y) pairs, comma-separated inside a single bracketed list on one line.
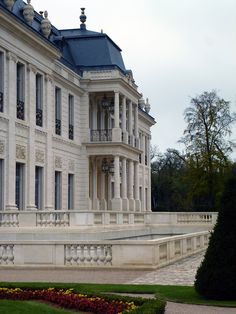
[(81, 49)]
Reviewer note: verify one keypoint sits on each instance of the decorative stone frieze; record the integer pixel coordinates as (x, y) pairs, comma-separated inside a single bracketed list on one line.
[(39, 156), (71, 166), (2, 148), (20, 152), (58, 162), (28, 12)]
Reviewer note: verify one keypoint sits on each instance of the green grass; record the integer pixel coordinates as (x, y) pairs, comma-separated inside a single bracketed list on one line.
[(29, 307), (183, 294)]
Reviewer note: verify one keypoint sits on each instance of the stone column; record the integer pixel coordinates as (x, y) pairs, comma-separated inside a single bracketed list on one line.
[(49, 171), (125, 201), (31, 146), (95, 184), (116, 131), (116, 201), (130, 122), (103, 191), (125, 134), (131, 185), (149, 205), (11, 147), (136, 186)]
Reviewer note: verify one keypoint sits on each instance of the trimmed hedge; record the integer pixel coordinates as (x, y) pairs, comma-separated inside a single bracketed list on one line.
[(216, 276)]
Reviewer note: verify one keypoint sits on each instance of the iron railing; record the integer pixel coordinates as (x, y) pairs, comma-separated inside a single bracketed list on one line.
[(20, 109), (1, 101), (39, 117), (101, 135), (58, 127)]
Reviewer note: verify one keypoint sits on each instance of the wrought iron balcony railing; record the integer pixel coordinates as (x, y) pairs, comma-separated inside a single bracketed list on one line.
[(20, 109), (1, 101), (39, 117), (71, 131), (58, 127), (101, 135)]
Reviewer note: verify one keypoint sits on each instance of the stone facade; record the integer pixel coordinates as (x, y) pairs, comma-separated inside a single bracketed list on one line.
[(69, 140)]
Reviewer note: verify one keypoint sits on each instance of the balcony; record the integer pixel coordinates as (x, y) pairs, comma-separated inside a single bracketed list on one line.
[(1, 101), (39, 117), (20, 109), (101, 135)]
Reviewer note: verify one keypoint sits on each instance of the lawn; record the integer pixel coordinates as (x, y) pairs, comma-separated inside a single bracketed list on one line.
[(183, 294), (29, 307)]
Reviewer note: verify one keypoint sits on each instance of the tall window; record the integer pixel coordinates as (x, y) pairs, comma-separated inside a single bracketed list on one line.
[(58, 111), (71, 116), (20, 186), (39, 187), (70, 191), (1, 81), (20, 94), (1, 184), (39, 100), (57, 190)]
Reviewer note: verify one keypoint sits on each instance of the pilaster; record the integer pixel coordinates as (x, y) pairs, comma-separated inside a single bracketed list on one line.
[(11, 148), (116, 201), (131, 185), (31, 92), (136, 187), (49, 173), (116, 131), (125, 201)]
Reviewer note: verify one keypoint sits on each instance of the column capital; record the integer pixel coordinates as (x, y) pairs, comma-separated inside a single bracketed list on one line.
[(12, 57), (48, 78), (31, 68)]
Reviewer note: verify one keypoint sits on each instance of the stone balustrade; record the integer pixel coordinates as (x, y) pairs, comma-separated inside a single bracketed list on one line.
[(52, 219), (88, 254), (118, 253), (9, 219), (103, 218)]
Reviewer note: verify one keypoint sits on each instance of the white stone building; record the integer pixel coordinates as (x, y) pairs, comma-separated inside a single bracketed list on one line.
[(74, 130)]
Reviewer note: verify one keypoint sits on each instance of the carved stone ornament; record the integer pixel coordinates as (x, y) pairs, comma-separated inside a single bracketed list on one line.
[(71, 165), (141, 103), (46, 26), (20, 152), (147, 106), (2, 148), (28, 12), (9, 4), (39, 156), (58, 162)]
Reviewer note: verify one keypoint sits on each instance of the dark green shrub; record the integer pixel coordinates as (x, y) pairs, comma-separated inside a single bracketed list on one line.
[(216, 276)]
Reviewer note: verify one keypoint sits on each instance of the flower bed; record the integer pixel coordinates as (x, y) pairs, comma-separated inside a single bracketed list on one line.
[(70, 300)]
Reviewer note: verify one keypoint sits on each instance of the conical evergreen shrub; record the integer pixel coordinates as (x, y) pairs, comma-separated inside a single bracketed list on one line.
[(216, 276)]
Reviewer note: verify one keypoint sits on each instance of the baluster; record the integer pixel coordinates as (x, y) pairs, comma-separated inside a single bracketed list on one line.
[(88, 257), (102, 255), (95, 254), (10, 254), (74, 254), (44, 219), (51, 221), (1, 251), (82, 258), (4, 254), (108, 253), (66, 219), (68, 257)]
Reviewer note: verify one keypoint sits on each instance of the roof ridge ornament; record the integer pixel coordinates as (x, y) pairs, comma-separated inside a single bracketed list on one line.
[(83, 18), (28, 12), (9, 4), (46, 25)]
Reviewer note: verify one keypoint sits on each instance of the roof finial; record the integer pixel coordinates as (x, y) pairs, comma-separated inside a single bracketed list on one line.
[(83, 18)]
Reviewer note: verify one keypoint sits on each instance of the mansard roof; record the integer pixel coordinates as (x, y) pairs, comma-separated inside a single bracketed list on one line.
[(81, 49)]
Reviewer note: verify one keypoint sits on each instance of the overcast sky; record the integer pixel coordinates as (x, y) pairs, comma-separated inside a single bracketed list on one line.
[(176, 49)]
